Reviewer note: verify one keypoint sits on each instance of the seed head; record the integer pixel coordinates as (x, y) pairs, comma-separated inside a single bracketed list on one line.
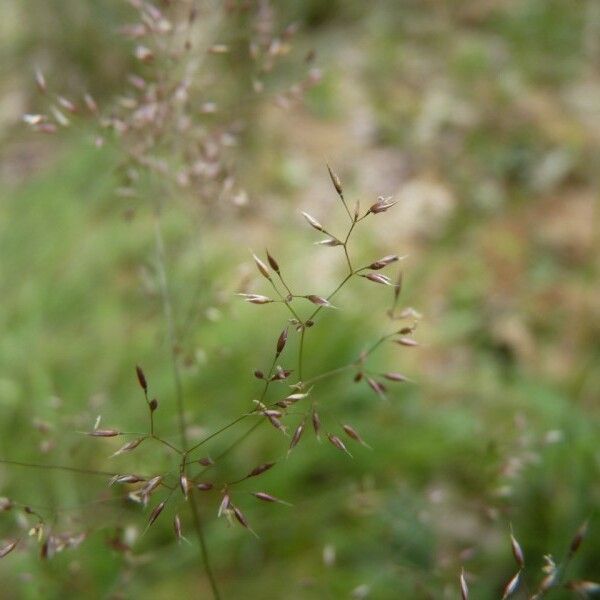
[(313, 222), (335, 440), (319, 301), (282, 341), (272, 262), (383, 262), (141, 378), (8, 548), (511, 587), (262, 267), (260, 469), (156, 512), (464, 590), (337, 184)]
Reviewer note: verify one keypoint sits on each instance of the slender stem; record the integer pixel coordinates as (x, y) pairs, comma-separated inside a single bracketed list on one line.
[(203, 547), (301, 352), (17, 463), (168, 311)]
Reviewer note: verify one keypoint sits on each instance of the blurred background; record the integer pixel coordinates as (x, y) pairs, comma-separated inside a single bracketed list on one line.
[(481, 118)]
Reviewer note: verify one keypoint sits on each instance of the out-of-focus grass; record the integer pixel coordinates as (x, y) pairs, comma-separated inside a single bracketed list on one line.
[(477, 108)]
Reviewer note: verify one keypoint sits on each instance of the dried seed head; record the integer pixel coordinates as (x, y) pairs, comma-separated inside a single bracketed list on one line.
[(378, 278), (331, 241), (125, 479), (511, 587), (335, 440), (256, 298), (352, 433), (224, 505), (376, 386), (260, 469), (204, 486), (8, 548), (241, 518), (268, 498), (104, 433), (381, 205), (272, 262), (383, 262), (151, 485), (282, 341), (395, 377), (406, 341), (297, 435), (141, 378), (262, 267), (319, 301), (578, 537), (313, 222), (464, 590), (517, 551), (316, 422), (129, 446), (156, 512), (337, 184), (177, 527), (184, 484)]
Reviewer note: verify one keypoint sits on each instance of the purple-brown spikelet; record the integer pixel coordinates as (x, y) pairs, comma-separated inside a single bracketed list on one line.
[(156, 512), (129, 446), (398, 377), (204, 486), (319, 301), (8, 547), (312, 222), (272, 262), (153, 404), (316, 422), (104, 433), (337, 184), (281, 341), (464, 589), (335, 440), (297, 435), (511, 587), (259, 374), (517, 551), (262, 267), (141, 378), (261, 469), (206, 461), (378, 278), (381, 205), (353, 434), (376, 386), (578, 537), (177, 528), (269, 498), (224, 505), (383, 262), (184, 484), (406, 341)]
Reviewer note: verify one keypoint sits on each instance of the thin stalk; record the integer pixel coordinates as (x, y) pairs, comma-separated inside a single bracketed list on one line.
[(170, 322)]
